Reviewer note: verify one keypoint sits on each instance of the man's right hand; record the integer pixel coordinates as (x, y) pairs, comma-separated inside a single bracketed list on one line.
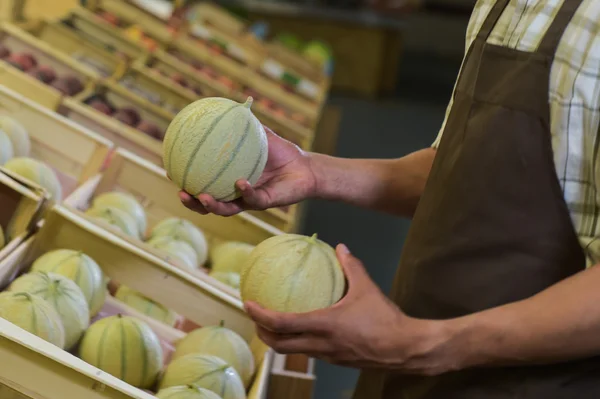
[(288, 178)]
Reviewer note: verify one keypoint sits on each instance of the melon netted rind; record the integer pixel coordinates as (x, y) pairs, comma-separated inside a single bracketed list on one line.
[(292, 273), (80, 268), (6, 148), (186, 392), (124, 347), (205, 371), (146, 305), (211, 144), (177, 251), (230, 256), (221, 342), (34, 314), (116, 218), (65, 297), (184, 230), (39, 173), (231, 279), (18, 135), (127, 203)]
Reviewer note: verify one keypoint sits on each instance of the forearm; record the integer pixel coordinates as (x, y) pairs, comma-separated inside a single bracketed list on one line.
[(390, 185), (561, 323)]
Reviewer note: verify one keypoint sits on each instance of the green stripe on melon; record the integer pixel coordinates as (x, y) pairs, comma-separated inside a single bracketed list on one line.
[(223, 343), (17, 134), (125, 202), (80, 268), (6, 148), (292, 273), (184, 230), (115, 218), (39, 173), (64, 296), (186, 392), (146, 305), (205, 371), (212, 143), (32, 313), (124, 347)]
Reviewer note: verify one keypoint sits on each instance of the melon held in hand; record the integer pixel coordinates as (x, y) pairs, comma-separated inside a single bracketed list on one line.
[(292, 273), (211, 144)]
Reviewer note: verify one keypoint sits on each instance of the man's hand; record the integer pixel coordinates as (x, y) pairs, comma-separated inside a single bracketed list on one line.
[(287, 179), (364, 329)]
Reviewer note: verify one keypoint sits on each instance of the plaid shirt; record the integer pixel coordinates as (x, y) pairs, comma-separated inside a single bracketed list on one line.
[(574, 99)]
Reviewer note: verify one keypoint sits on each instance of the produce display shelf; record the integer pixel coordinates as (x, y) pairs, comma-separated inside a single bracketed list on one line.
[(73, 152), (22, 44)]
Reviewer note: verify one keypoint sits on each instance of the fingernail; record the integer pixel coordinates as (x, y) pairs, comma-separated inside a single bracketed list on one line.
[(203, 202), (344, 249)]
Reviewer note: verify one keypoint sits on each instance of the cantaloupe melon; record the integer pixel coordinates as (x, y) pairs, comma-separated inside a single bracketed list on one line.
[(212, 143), (125, 347), (204, 371), (186, 392), (32, 313), (177, 251), (184, 230), (292, 273), (230, 278), (18, 135), (39, 173), (146, 305), (223, 343), (115, 218), (65, 297), (125, 202), (6, 148), (80, 268), (230, 256)]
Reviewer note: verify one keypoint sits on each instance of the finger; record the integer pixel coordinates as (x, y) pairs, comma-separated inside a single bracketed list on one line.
[(255, 199), (306, 344), (191, 203), (219, 208), (354, 270), (289, 323)]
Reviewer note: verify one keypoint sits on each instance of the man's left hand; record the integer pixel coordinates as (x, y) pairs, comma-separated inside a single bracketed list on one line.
[(363, 330)]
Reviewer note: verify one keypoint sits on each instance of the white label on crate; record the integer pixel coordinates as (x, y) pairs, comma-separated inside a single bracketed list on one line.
[(201, 32), (308, 88), (273, 69), (236, 52)]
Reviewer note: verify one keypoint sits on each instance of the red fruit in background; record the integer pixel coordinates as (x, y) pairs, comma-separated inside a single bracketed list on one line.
[(133, 114), (61, 85), (101, 106), (28, 60), (279, 111), (198, 91), (14, 61), (4, 52), (43, 73), (124, 117), (22, 61), (301, 119), (150, 129), (68, 85), (180, 80), (208, 71), (265, 102), (110, 18), (226, 81)]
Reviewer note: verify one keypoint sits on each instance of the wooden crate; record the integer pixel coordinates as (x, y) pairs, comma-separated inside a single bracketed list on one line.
[(122, 135), (18, 41), (21, 206), (75, 153), (54, 373), (68, 41)]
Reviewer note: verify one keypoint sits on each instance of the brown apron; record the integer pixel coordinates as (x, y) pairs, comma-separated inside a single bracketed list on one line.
[(492, 226)]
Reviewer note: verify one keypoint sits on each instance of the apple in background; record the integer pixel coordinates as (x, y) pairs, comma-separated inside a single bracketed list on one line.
[(128, 115), (197, 65), (198, 91), (279, 111), (150, 129), (110, 18), (43, 73), (265, 102), (180, 80), (4, 52), (22, 61), (28, 59), (208, 71), (227, 82), (68, 85), (101, 106)]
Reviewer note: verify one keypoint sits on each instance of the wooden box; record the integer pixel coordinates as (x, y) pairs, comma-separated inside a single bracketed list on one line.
[(19, 41), (36, 368), (74, 152)]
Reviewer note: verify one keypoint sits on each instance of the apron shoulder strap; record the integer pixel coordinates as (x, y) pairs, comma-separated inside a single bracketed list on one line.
[(555, 31), (491, 19)]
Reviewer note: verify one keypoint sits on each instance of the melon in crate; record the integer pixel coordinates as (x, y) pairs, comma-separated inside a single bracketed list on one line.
[(39, 173), (34, 314), (230, 256), (177, 251), (6, 148), (183, 230), (124, 347), (221, 342), (186, 392), (18, 135), (231, 279), (65, 297), (211, 144), (146, 305), (125, 202), (114, 218), (292, 273), (204, 371), (80, 268)]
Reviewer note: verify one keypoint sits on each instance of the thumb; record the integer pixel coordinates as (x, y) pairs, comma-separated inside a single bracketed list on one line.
[(255, 199), (353, 268)]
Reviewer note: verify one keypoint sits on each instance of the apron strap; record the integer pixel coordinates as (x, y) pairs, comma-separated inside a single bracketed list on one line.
[(551, 39), (491, 19)]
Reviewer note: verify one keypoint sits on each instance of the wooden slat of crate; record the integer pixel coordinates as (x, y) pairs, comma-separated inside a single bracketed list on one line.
[(71, 150), (219, 18), (29, 86)]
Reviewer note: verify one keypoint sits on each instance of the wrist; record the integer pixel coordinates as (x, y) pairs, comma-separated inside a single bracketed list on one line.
[(317, 164)]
